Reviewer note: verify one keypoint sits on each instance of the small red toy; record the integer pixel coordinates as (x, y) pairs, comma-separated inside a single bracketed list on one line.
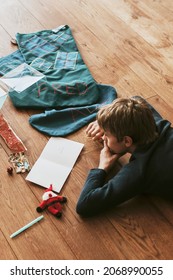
[(52, 202), (10, 170)]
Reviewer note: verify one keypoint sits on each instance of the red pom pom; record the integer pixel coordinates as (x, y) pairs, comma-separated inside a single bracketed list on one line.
[(10, 170)]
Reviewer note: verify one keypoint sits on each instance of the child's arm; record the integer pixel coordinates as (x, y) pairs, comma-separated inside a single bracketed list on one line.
[(98, 195)]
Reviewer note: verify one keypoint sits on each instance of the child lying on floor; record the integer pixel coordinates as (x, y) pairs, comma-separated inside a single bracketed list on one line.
[(128, 125)]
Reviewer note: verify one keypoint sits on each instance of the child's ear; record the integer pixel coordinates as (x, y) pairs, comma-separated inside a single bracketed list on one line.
[(128, 141)]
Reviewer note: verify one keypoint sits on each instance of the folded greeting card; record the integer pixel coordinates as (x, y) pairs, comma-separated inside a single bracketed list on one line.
[(55, 163)]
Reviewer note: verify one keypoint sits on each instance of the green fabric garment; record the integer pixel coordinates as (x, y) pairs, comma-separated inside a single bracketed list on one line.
[(65, 121), (62, 85), (67, 82)]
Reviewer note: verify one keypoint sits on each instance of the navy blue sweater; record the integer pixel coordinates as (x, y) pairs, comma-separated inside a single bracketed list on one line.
[(149, 171)]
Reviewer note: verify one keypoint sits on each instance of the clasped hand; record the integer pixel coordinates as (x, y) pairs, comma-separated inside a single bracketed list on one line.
[(107, 158)]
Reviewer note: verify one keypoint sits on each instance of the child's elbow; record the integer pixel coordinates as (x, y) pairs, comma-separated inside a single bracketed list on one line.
[(80, 210), (83, 210), (87, 210)]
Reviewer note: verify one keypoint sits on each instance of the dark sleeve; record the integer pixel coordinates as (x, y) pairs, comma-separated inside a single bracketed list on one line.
[(98, 196), (156, 115)]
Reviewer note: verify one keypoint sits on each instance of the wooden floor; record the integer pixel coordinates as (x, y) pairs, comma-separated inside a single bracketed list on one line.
[(125, 43)]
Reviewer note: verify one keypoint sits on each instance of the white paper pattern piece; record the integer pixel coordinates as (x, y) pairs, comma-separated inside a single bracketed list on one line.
[(2, 92), (55, 163), (3, 96), (21, 77)]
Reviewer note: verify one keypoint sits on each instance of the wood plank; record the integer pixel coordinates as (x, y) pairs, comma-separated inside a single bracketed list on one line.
[(158, 65), (134, 222), (165, 110), (21, 20), (52, 14), (126, 44), (6, 250), (144, 60), (6, 47)]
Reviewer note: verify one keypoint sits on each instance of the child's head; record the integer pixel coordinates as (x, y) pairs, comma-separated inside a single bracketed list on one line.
[(129, 117)]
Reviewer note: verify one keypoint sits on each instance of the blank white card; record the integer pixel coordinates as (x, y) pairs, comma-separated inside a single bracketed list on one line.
[(55, 163)]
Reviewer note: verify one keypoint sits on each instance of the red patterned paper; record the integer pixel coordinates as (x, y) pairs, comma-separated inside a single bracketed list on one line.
[(9, 136)]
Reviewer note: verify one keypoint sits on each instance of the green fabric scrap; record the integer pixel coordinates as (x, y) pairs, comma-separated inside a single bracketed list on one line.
[(68, 81)]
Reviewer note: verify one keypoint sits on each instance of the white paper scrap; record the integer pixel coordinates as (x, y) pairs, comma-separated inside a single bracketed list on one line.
[(55, 163), (3, 96), (2, 92), (21, 77)]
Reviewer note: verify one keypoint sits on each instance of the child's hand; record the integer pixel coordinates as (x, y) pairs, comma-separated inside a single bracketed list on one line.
[(107, 158), (93, 130)]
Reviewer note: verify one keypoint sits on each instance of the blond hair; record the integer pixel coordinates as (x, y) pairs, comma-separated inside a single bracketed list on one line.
[(129, 117)]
